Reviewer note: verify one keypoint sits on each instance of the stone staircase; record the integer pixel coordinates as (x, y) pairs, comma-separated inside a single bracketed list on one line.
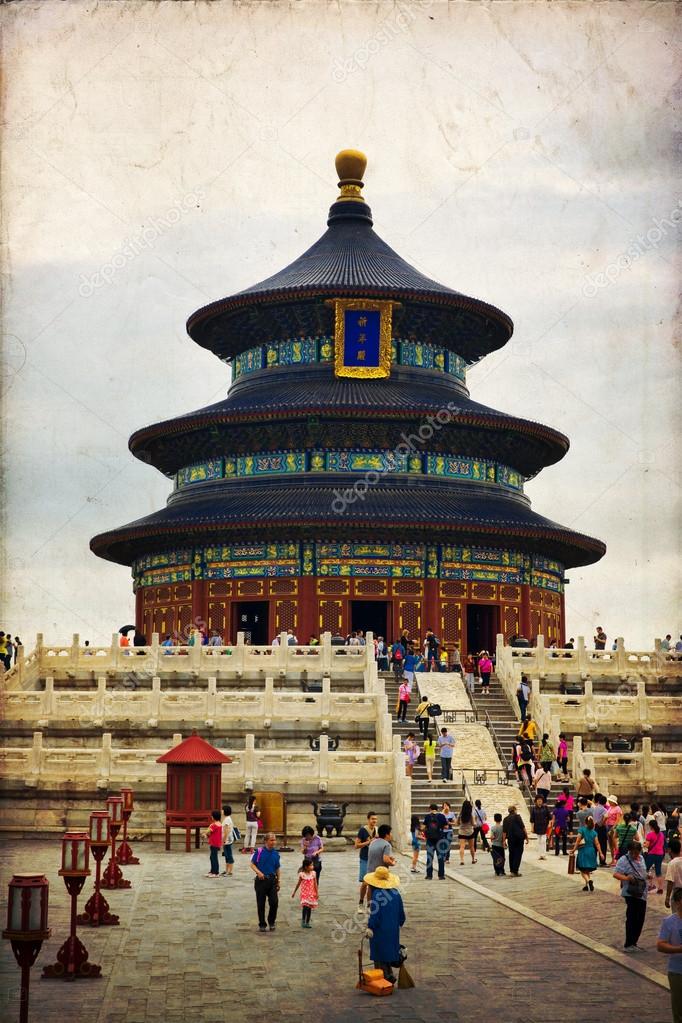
[(423, 792), (506, 721)]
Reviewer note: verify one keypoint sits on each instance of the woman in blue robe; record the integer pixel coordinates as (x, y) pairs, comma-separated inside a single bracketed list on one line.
[(386, 917)]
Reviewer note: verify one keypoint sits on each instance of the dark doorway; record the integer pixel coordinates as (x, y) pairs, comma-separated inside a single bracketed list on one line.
[(251, 618), (370, 616), (482, 627)]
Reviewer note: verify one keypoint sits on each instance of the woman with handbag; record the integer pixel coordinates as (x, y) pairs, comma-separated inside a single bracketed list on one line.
[(631, 872), (587, 846), (481, 826)]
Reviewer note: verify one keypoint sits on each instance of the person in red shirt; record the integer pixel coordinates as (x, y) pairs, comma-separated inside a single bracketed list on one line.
[(214, 836)]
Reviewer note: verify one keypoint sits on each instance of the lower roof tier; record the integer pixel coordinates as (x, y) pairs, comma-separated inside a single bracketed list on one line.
[(340, 509), (309, 411)]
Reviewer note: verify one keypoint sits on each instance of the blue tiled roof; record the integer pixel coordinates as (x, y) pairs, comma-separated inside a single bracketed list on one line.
[(350, 258), (437, 512), (306, 392)]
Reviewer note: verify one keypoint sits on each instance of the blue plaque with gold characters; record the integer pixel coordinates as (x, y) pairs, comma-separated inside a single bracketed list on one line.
[(362, 337)]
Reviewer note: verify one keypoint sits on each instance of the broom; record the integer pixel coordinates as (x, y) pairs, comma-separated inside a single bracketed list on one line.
[(404, 977)]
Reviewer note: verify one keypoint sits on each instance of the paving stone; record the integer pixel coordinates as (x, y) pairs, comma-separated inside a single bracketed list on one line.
[(185, 950)]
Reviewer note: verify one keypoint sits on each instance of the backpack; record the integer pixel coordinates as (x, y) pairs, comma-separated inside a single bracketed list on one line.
[(398, 655), (433, 830), (625, 841)]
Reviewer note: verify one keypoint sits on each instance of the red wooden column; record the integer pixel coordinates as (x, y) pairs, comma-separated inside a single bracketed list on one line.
[(308, 619), (562, 620), (525, 612), (200, 603), (430, 616)]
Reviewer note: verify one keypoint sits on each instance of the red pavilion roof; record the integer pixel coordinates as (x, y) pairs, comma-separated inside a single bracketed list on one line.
[(194, 750)]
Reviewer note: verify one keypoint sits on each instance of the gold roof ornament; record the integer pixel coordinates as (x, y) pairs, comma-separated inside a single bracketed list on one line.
[(350, 166)]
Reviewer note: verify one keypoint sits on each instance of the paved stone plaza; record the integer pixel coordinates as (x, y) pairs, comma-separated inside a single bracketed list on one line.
[(188, 949)]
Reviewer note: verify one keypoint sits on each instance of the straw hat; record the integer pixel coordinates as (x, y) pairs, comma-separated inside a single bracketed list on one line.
[(382, 878), (613, 800)]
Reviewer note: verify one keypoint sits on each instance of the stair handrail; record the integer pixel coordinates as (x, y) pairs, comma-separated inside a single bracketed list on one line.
[(482, 713)]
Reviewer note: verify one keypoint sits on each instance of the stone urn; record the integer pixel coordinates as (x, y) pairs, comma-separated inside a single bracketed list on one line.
[(329, 817)]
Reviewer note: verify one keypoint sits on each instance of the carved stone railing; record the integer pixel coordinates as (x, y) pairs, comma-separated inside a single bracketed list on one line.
[(644, 772), (581, 662), (237, 661), (107, 765), (206, 706)]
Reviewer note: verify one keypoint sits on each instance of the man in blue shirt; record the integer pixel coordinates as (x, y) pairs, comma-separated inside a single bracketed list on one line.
[(670, 944), (265, 865)]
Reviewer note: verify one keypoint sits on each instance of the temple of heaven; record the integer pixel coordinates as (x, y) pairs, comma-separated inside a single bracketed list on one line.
[(348, 481)]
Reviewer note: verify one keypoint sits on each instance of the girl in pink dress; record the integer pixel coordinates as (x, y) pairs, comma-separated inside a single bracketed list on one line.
[(307, 882)]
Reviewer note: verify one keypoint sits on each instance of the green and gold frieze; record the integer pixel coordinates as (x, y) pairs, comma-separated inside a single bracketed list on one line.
[(273, 463), (310, 350), (321, 559)]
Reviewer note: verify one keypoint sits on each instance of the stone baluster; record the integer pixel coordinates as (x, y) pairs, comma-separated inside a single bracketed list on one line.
[(238, 654), (116, 651), (649, 778), (104, 762), (100, 699), (326, 702), (35, 758), (249, 761), (155, 703), (19, 666), (283, 653), (211, 701), (540, 654), (657, 659), (643, 705), (269, 701), (577, 756), (323, 785), (47, 699), (369, 651), (401, 796), (326, 646), (582, 658), (621, 656), (195, 653), (156, 654), (75, 651), (177, 738)]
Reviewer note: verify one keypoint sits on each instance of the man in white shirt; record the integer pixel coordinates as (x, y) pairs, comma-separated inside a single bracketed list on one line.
[(673, 874)]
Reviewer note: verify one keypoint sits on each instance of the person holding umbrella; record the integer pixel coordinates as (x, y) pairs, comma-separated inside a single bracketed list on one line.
[(386, 917)]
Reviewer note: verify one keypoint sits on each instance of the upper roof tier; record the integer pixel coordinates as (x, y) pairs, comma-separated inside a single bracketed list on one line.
[(349, 259)]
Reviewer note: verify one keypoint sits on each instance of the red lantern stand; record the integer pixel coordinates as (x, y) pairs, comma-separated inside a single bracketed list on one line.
[(72, 957), (96, 913), (193, 786), (26, 927), (125, 853), (112, 876)]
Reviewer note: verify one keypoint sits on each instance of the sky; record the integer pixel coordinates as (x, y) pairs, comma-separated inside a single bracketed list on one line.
[(157, 157)]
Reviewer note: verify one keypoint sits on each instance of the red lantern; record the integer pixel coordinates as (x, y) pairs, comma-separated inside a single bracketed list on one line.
[(26, 927), (125, 853), (115, 809), (112, 876), (96, 912), (99, 829), (75, 854), (72, 957)]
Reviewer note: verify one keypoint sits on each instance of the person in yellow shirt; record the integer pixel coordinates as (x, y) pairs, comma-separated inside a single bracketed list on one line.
[(528, 729), (430, 756)]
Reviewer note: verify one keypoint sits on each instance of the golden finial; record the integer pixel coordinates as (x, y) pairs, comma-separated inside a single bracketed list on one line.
[(350, 166)]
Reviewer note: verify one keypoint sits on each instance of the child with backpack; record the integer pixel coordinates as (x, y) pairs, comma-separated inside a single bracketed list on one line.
[(307, 882)]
